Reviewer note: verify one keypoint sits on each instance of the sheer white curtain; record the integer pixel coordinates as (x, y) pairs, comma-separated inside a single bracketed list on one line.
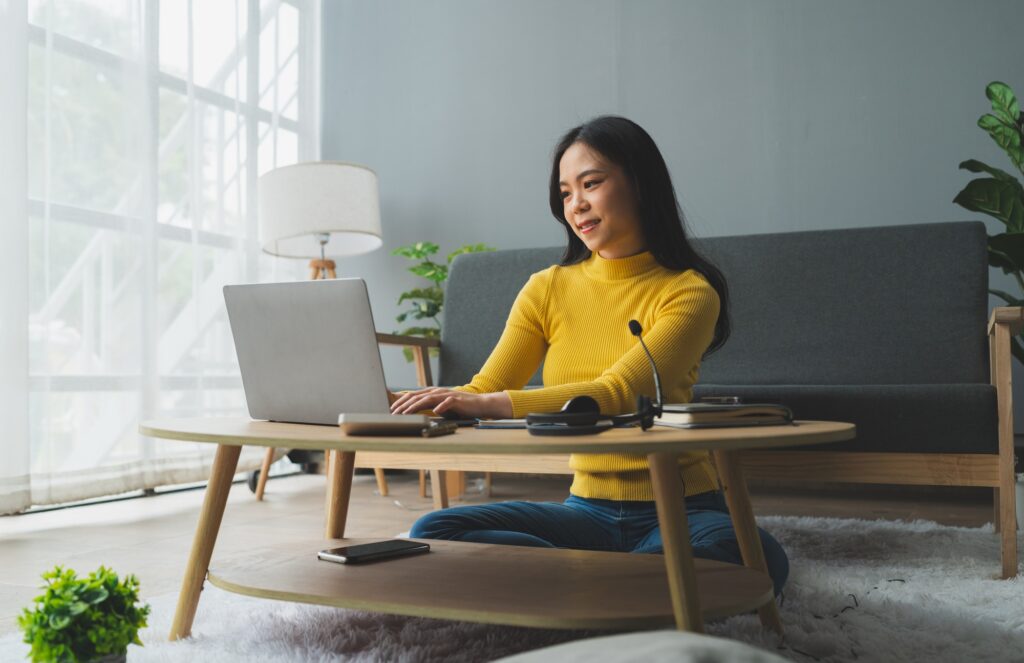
[(14, 457), (146, 124)]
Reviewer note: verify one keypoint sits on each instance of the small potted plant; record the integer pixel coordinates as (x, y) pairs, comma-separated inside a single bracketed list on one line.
[(428, 302), (84, 619)]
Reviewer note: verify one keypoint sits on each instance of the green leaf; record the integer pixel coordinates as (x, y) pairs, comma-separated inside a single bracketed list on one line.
[(428, 270), (94, 595), (432, 294), (998, 198), (417, 251), (469, 248), (59, 621), (1004, 102), (976, 166), (1006, 136), (1006, 251)]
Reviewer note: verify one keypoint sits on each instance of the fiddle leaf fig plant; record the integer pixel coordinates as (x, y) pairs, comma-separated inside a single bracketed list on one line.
[(427, 302), (83, 619), (1001, 195)]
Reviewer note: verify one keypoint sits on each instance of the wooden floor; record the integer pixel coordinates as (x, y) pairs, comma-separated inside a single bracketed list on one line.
[(150, 536)]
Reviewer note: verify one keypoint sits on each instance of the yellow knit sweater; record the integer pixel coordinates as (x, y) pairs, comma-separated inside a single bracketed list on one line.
[(576, 319)]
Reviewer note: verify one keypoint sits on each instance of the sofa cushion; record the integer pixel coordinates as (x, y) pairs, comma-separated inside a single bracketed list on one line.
[(480, 292), (931, 418), (887, 305)]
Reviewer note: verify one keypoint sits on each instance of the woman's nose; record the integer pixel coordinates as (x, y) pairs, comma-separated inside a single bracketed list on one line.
[(579, 204)]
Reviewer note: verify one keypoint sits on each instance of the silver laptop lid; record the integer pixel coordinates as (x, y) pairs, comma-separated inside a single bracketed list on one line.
[(307, 350)]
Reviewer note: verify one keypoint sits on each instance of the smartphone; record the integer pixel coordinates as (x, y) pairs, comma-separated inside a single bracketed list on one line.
[(368, 552)]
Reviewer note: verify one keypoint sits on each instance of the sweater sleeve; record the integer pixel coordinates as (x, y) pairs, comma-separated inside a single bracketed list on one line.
[(522, 345), (684, 326)]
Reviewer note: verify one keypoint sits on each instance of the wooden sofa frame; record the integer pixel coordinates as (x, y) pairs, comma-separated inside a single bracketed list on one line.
[(994, 471)]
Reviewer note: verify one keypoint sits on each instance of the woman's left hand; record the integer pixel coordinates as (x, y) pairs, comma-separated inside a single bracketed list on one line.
[(496, 405)]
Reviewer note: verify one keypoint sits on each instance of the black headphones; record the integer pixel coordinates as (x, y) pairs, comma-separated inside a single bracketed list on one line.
[(581, 415)]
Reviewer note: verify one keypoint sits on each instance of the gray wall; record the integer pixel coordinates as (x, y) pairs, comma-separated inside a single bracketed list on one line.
[(772, 115)]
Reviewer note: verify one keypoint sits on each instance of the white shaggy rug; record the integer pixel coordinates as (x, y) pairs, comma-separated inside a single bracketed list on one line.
[(858, 591)]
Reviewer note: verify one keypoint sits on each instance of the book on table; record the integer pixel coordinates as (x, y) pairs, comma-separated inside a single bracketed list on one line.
[(723, 415)]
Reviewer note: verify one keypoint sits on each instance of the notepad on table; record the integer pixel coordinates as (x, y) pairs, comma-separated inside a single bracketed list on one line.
[(715, 415)]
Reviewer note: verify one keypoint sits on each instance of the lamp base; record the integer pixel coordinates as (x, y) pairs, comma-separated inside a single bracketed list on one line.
[(321, 269)]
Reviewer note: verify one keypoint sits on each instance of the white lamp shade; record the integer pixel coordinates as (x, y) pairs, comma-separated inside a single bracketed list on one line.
[(327, 197)]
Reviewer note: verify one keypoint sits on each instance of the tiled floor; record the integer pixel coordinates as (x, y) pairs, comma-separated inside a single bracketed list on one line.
[(151, 536)]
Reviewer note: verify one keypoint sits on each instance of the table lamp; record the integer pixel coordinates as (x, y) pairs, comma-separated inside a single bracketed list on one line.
[(315, 210), (319, 210)]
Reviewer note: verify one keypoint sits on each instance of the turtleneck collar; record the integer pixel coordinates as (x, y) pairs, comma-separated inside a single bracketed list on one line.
[(619, 268)]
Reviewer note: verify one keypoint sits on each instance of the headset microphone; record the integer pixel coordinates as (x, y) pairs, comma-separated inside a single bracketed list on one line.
[(581, 415), (636, 330)]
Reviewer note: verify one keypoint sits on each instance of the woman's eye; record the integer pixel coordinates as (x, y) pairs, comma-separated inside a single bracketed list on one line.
[(565, 194), (585, 184)]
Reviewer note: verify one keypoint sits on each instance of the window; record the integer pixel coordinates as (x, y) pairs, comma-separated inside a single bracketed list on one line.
[(149, 123)]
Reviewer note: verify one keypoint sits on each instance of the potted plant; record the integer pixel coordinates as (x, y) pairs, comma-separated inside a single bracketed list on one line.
[(84, 619), (428, 302), (1001, 195)]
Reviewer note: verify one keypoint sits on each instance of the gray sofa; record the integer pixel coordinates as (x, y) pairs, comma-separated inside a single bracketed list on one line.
[(884, 327)]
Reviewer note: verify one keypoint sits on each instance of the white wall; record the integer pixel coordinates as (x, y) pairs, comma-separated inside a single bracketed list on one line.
[(773, 115)]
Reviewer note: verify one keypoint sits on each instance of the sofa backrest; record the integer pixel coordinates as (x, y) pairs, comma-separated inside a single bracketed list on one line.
[(480, 292), (883, 305)]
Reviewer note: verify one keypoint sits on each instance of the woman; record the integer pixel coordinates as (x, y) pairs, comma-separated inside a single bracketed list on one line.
[(627, 257)]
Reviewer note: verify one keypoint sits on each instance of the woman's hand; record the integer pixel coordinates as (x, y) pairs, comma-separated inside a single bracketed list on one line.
[(496, 405)]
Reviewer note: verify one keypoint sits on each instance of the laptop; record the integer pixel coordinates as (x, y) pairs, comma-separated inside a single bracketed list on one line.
[(307, 350)]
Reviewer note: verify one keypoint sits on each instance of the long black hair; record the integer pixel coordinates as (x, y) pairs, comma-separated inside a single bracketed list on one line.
[(624, 143)]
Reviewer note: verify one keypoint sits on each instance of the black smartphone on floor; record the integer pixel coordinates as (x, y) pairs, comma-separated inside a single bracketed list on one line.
[(368, 552)]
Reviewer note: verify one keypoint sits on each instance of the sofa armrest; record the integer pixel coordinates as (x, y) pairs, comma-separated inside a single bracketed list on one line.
[(419, 346), (1013, 316), (1004, 323), (408, 341)]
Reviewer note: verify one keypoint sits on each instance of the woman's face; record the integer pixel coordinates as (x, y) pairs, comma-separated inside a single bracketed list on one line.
[(599, 204)]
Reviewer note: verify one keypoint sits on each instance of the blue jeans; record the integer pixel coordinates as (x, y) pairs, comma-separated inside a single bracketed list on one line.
[(591, 524)]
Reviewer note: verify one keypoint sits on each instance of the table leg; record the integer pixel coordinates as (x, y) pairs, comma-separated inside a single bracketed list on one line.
[(339, 489), (738, 499), (670, 499), (224, 464), (438, 484)]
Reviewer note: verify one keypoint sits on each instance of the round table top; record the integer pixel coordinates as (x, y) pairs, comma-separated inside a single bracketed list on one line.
[(242, 431)]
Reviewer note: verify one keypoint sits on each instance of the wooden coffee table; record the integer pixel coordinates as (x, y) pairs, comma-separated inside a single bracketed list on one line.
[(489, 583)]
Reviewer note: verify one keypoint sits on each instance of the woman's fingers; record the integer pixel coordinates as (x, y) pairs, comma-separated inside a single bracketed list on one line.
[(419, 400), (448, 404), (403, 399)]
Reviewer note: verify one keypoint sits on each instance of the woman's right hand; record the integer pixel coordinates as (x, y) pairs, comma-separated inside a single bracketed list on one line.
[(440, 400)]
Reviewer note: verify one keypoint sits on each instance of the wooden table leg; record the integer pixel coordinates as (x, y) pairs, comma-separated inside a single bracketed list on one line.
[(382, 482), (224, 464), (439, 487), (670, 498), (455, 483), (738, 499), (261, 481), (339, 489)]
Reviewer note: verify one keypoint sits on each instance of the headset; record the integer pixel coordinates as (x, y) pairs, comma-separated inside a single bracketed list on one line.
[(581, 415)]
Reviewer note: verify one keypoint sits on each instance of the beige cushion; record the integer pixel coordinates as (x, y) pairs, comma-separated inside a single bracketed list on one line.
[(649, 647)]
